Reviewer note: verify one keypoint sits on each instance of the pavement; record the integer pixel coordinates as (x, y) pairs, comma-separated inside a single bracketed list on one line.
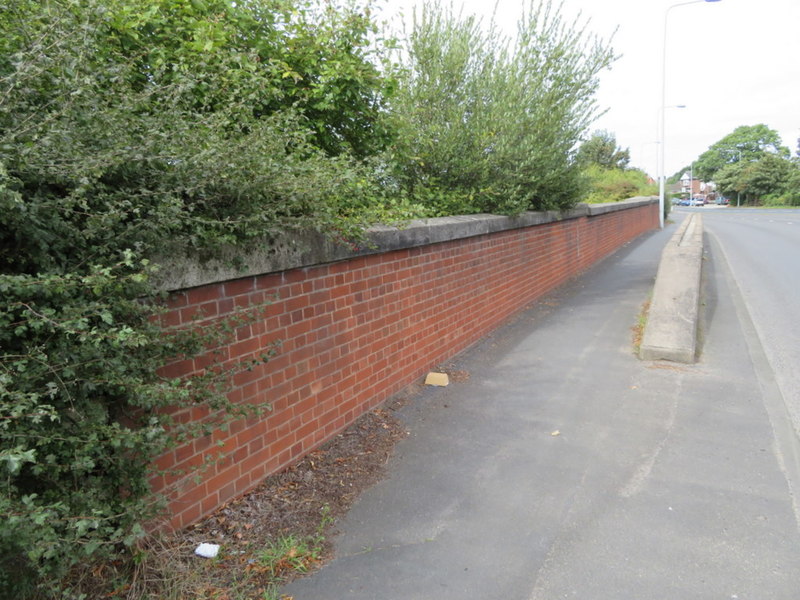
[(566, 467)]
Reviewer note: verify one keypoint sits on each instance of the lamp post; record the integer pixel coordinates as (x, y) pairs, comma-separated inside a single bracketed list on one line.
[(738, 193), (663, 176), (659, 144)]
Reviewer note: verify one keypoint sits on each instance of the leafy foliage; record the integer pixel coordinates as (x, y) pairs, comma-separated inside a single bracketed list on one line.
[(604, 166), (613, 185), (771, 180), (745, 143), (751, 165), (488, 125), (791, 194), (272, 53), (601, 149), (80, 422), (129, 129)]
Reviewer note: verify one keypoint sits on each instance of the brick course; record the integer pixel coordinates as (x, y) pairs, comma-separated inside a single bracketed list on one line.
[(355, 332)]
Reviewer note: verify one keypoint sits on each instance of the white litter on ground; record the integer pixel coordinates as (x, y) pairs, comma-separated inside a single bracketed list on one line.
[(207, 550)]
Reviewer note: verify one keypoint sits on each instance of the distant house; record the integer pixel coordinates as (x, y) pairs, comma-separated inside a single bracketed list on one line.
[(691, 187)]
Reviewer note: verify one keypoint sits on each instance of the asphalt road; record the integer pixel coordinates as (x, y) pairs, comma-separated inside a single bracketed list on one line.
[(762, 248)]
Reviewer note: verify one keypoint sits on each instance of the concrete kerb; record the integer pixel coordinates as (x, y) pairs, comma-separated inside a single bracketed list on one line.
[(671, 329)]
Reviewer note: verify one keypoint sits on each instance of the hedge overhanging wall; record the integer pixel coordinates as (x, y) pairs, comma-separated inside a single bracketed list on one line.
[(356, 325)]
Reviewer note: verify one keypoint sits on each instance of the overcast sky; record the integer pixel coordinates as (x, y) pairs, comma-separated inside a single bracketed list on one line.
[(731, 62)]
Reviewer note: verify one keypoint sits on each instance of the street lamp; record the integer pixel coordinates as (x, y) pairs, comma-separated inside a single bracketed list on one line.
[(663, 108)]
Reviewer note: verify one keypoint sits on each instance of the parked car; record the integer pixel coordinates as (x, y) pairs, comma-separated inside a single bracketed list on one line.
[(697, 202)]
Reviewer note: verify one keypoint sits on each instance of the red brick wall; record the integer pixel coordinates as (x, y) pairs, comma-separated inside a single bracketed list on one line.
[(356, 332)]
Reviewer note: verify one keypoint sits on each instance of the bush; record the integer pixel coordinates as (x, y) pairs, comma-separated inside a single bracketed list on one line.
[(613, 185), (487, 125), (129, 129)]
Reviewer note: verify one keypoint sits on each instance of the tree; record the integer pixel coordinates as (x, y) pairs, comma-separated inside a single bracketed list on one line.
[(489, 125), (278, 53), (770, 176), (793, 185), (745, 143), (729, 180), (601, 149)]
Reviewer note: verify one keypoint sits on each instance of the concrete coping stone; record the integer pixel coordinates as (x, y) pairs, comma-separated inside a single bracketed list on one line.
[(311, 248), (671, 329)]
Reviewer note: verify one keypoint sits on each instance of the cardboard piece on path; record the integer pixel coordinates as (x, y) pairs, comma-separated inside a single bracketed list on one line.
[(437, 379)]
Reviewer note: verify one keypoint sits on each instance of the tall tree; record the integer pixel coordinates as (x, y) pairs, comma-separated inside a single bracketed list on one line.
[(489, 123), (746, 143), (601, 149)]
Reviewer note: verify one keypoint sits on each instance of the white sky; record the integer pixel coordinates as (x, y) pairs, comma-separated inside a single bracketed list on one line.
[(731, 62)]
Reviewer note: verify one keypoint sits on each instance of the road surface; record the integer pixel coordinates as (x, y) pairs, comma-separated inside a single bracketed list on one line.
[(762, 248)]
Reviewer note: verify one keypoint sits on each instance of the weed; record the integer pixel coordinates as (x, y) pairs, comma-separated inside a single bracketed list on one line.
[(326, 520), (288, 553), (272, 593), (638, 329)]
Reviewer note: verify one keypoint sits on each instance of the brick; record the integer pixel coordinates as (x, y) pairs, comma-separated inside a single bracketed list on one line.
[(176, 300), (183, 453), (256, 445), (221, 480), (300, 328), (195, 313), (268, 282), (295, 276), (245, 348), (165, 461), (227, 492), (306, 431), (193, 496), (209, 503), (253, 461), (240, 287), (181, 368), (225, 306), (184, 517), (297, 450), (210, 359), (170, 319), (204, 294)]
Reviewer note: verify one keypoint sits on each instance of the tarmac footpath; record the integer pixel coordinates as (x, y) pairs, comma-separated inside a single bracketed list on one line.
[(565, 467)]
